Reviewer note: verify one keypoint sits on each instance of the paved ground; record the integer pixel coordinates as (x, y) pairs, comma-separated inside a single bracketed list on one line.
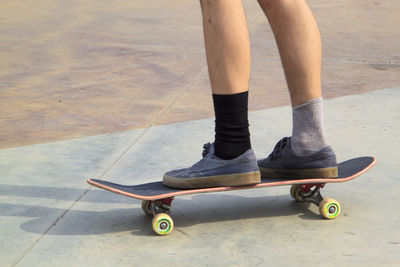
[(80, 68), (116, 90)]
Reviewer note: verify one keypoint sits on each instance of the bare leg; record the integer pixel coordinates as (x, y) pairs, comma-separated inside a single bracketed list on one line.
[(227, 45), (299, 43), (229, 161)]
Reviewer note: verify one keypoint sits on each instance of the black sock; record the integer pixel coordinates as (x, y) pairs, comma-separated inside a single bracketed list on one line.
[(232, 136)]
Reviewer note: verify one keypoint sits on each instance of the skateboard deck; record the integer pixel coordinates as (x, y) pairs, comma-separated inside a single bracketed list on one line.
[(156, 198)]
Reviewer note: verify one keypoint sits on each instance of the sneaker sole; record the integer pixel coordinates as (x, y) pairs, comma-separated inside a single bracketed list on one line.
[(331, 172), (213, 181)]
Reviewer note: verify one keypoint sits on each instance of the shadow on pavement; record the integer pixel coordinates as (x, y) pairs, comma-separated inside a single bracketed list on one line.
[(59, 193), (199, 209)]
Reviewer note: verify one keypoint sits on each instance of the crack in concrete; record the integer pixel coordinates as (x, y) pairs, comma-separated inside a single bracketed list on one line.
[(159, 116)]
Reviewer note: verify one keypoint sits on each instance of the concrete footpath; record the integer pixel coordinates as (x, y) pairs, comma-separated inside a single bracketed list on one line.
[(50, 216), (118, 90)]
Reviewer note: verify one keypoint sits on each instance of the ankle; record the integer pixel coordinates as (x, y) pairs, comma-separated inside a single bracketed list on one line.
[(232, 136), (308, 134)]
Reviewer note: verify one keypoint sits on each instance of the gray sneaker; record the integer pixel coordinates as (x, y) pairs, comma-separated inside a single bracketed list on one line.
[(284, 163), (212, 171)]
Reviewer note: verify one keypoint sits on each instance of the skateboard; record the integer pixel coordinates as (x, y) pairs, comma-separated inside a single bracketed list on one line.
[(157, 198)]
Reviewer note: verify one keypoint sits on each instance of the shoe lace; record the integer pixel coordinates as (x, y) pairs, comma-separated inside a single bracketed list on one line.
[(206, 149), (277, 152)]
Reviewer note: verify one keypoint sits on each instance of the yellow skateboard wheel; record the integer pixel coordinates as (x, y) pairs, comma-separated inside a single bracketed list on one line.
[(329, 208), (295, 192), (146, 207), (163, 224)]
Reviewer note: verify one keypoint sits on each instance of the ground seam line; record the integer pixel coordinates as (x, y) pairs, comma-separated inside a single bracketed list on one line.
[(154, 122), (112, 165), (49, 228)]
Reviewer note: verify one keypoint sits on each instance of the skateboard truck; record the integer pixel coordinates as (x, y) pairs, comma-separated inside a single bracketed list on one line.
[(159, 210), (311, 193), (154, 207), (328, 207)]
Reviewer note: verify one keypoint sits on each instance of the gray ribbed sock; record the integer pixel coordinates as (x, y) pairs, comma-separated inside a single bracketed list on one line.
[(308, 134)]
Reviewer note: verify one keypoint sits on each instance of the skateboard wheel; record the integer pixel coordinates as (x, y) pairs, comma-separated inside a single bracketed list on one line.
[(295, 192), (146, 207), (329, 208), (162, 224)]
